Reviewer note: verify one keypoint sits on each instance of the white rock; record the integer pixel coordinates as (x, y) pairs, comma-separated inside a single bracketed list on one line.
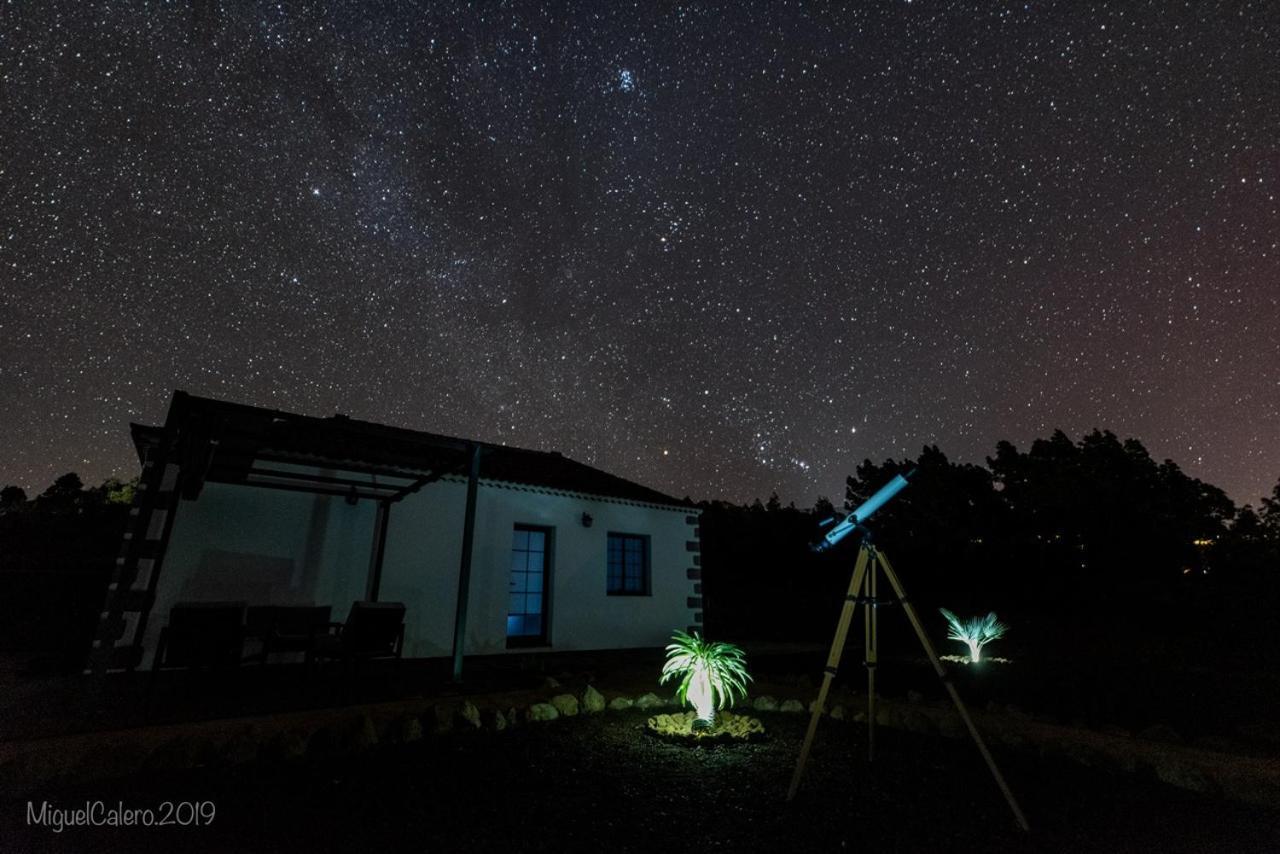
[(592, 701), (541, 712), (565, 704)]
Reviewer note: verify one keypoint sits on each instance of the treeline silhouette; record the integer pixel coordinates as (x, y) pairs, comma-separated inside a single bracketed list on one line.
[(57, 551), (1086, 548)]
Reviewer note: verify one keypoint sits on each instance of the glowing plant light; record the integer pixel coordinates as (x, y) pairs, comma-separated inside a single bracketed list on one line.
[(710, 674), (977, 632)]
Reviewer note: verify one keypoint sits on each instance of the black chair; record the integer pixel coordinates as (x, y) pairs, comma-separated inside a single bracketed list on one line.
[(372, 630), (288, 628), (207, 635)]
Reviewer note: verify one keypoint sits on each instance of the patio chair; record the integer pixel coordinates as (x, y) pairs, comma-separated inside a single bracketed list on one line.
[(199, 635), (372, 630), (288, 628)]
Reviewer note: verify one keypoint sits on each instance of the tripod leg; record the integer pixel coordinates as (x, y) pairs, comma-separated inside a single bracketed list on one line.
[(833, 663), (951, 689), (871, 659)]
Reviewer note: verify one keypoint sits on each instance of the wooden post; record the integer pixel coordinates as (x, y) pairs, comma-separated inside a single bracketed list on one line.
[(378, 549), (464, 569)]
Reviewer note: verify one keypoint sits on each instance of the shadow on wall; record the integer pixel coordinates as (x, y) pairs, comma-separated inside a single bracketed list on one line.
[(234, 576), (228, 575)]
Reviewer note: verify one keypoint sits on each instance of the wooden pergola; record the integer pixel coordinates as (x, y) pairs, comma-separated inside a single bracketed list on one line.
[(212, 441)]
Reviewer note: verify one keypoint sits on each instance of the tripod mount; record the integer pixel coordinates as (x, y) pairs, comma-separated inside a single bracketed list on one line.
[(869, 564)]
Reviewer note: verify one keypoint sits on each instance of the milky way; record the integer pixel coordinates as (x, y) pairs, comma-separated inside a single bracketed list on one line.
[(718, 251)]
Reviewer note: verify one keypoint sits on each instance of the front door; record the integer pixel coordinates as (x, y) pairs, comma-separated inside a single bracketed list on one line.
[(527, 596)]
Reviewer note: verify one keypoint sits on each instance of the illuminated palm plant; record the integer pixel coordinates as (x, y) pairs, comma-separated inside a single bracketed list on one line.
[(710, 674), (977, 632)]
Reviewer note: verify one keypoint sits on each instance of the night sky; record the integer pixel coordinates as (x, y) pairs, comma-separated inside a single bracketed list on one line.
[(720, 251)]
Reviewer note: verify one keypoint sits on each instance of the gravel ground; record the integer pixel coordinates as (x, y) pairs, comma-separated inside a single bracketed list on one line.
[(600, 783)]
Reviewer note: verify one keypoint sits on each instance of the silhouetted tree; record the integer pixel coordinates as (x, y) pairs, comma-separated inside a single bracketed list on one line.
[(56, 559), (12, 497), (63, 495), (941, 526), (1103, 511), (1269, 517), (66, 485)]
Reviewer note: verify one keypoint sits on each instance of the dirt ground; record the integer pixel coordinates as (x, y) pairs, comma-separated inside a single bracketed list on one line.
[(600, 783)]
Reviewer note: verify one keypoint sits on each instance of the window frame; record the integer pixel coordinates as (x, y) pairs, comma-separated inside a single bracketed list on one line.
[(647, 569)]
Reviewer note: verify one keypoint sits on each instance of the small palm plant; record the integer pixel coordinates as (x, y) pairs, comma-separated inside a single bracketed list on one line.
[(977, 632), (710, 674)]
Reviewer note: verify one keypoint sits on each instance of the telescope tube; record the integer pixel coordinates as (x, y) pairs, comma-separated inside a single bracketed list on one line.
[(864, 512)]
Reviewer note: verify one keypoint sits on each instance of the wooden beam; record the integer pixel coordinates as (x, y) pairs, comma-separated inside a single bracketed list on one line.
[(314, 490), (321, 478), (379, 548), (345, 465), (464, 569)]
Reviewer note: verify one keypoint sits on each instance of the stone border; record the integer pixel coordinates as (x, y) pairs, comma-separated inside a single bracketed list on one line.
[(316, 734), (327, 733)]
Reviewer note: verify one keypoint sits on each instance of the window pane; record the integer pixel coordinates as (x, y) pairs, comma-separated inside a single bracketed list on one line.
[(533, 603), (520, 540), (537, 540), (519, 582), (533, 625), (627, 564), (515, 603), (535, 561), (515, 625)]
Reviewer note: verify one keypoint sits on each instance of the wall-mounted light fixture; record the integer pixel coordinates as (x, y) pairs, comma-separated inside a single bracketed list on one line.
[(587, 520)]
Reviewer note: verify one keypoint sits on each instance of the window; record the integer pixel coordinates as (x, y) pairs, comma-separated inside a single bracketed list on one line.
[(527, 593), (628, 565)]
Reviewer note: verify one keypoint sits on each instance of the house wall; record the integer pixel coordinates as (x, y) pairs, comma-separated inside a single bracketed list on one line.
[(268, 546), (424, 548)]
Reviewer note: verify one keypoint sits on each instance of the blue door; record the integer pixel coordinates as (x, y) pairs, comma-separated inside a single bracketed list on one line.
[(527, 595)]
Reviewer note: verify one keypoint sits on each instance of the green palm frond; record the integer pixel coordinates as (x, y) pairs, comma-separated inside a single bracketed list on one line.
[(981, 629), (724, 664), (977, 632)]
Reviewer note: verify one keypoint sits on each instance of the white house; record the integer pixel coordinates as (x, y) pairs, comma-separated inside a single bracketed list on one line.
[(490, 548)]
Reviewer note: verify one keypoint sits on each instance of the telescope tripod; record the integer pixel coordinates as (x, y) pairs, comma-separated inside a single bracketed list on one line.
[(862, 589)]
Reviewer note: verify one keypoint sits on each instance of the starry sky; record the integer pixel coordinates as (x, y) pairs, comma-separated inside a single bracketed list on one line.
[(722, 250)]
